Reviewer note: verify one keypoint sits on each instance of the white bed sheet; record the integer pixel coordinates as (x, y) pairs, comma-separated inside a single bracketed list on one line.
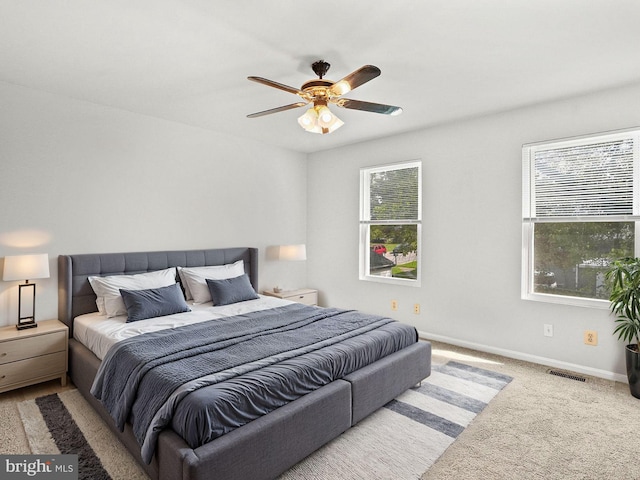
[(99, 333)]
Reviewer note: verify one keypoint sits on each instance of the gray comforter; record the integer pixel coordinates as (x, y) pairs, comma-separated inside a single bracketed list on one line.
[(209, 378)]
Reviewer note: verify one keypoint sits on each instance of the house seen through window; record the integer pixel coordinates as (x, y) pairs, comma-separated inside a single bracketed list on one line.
[(390, 223), (580, 213)]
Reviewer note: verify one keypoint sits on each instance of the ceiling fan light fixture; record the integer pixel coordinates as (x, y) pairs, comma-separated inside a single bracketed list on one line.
[(309, 120), (334, 126), (326, 118), (340, 88), (319, 119)]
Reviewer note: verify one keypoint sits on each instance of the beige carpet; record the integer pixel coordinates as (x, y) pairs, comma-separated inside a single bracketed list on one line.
[(544, 427)]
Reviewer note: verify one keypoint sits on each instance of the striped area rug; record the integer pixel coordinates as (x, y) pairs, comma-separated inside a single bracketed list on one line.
[(65, 423), (403, 439), (400, 441)]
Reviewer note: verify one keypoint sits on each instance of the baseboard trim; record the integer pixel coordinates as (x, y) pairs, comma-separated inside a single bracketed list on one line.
[(593, 372)]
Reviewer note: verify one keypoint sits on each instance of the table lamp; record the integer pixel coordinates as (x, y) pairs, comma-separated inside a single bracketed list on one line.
[(290, 253), (26, 267)]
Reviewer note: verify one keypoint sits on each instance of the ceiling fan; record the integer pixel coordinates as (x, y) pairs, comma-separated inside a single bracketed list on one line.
[(321, 92)]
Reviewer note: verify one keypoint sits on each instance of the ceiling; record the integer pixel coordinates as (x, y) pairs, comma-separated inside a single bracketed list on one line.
[(441, 60)]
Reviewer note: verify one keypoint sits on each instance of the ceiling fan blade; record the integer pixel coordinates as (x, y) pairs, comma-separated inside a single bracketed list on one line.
[(280, 86), (278, 109), (355, 79), (369, 106)]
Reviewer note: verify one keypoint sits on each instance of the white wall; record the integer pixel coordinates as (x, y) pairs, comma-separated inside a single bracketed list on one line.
[(82, 178), (471, 233)]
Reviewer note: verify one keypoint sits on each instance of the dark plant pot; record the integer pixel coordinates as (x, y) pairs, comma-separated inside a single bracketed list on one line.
[(633, 369)]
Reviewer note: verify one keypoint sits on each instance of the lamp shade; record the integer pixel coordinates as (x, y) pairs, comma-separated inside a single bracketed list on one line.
[(292, 252), (325, 117), (26, 267), (308, 120), (319, 119)]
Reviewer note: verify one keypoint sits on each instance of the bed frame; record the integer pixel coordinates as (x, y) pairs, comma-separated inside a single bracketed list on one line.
[(267, 446)]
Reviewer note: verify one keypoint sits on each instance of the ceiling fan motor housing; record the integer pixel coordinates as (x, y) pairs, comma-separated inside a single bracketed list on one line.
[(320, 68), (316, 84)]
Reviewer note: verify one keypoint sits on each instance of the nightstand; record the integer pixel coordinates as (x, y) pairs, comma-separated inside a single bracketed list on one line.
[(34, 355), (307, 296)]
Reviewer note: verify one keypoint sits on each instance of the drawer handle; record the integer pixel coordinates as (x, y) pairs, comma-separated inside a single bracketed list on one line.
[(3, 354), (3, 377)]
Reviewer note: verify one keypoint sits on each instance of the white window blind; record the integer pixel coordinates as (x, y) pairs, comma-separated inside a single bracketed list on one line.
[(394, 195), (593, 179), (583, 178)]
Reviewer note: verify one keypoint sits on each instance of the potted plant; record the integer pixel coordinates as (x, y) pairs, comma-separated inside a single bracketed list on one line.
[(623, 278)]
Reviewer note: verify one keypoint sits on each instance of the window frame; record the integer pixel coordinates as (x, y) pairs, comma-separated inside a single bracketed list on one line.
[(365, 222), (529, 220)]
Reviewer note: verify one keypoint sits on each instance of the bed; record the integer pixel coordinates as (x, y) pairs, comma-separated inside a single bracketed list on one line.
[(266, 446)]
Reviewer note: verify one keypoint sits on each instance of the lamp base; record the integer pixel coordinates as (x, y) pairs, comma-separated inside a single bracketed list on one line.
[(25, 325)]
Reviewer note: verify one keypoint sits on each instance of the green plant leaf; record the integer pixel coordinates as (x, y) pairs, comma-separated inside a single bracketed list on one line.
[(623, 279)]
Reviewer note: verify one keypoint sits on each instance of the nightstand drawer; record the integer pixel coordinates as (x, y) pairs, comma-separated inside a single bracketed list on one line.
[(51, 365), (23, 348), (305, 298)]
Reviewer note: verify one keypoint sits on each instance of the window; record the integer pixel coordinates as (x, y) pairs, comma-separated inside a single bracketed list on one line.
[(390, 223), (580, 212)]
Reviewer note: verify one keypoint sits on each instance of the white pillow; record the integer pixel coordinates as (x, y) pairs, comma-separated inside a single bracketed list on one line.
[(107, 289), (195, 283), (219, 272)]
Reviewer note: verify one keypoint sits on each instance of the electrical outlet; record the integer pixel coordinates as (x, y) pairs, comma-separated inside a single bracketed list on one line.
[(394, 305), (548, 330), (416, 308), (591, 337)]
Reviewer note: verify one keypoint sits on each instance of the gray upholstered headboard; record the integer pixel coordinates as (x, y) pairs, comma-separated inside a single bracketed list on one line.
[(76, 297)]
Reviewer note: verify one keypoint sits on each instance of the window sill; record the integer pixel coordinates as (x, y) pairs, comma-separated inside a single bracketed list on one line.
[(567, 300), (390, 280)]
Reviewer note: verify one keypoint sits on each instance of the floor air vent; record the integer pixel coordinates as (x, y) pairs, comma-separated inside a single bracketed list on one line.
[(564, 374)]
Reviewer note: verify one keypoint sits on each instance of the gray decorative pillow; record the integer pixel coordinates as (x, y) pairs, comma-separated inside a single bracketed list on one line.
[(231, 290), (154, 302)]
